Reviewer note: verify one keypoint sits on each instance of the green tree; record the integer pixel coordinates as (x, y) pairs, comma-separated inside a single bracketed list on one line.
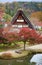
[(7, 17)]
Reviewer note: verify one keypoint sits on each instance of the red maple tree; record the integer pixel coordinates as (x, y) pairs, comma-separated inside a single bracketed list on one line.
[(24, 35), (27, 34), (11, 36)]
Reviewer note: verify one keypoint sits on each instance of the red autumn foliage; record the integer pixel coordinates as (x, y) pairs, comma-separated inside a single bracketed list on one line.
[(24, 34), (31, 35), (39, 39), (1, 30), (11, 36)]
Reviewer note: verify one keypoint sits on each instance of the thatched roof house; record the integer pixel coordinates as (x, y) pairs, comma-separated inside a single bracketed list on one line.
[(21, 20), (18, 21)]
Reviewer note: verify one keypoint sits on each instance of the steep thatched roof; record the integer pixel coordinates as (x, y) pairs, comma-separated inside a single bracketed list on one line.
[(20, 12)]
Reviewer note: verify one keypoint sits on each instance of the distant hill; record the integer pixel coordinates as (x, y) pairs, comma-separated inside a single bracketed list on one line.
[(28, 7)]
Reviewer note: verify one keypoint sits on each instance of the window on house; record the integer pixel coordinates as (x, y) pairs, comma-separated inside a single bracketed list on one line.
[(19, 26), (25, 25), (20, 20)]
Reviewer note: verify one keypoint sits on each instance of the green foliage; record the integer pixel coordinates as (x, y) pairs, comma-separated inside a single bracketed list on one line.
[(1, 25), (7, 17)]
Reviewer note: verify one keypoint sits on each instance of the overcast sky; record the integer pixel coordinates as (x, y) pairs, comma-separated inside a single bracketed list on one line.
[(19, 0)]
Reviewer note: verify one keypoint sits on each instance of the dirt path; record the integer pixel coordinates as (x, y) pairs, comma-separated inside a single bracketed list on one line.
[(37, 48)]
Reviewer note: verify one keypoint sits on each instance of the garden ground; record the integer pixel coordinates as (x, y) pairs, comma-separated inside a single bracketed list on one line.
[(16, 53)]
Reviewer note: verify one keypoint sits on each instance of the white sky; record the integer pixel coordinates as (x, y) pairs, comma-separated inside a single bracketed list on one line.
[(19, 0)]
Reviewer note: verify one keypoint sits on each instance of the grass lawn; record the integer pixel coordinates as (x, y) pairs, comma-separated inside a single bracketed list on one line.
[(5, 47), (19, 45)]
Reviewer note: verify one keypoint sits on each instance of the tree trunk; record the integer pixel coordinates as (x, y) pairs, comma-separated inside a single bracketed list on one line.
[(24, 45)]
